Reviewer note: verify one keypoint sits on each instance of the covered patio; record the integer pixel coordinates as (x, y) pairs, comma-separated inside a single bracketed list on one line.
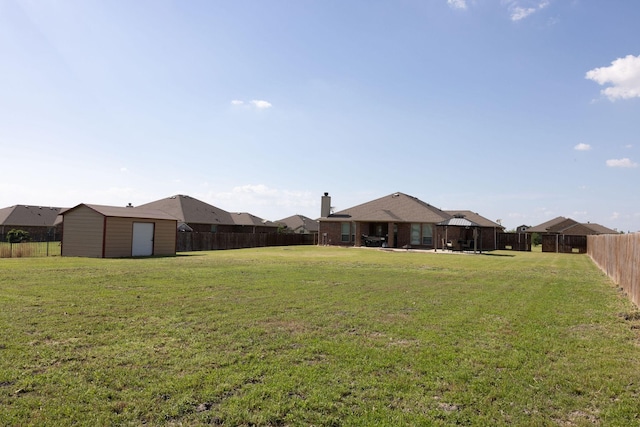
[(460, 234)]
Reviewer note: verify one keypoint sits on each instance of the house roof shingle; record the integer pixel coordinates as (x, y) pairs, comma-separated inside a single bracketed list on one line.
[(295, 222), (190, 210), (600, 229), (29, 216), (396, 207), (543, 228), (244, 218), (562, 225)]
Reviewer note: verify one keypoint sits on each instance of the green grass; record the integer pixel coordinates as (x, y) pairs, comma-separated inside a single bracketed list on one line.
[(316, 336)]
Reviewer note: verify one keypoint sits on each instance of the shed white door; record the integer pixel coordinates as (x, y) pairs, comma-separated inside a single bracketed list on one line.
[(142, 244)]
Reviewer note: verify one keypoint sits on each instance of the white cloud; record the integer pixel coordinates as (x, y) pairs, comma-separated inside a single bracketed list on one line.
[(261, 105), (267, 202), (624, 76), (457, 4), (256, 103), (582, 147), (621, 163), (519, 12)]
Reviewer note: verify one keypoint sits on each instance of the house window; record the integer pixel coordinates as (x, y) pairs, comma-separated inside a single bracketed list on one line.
[(214, 228), (415, 234), (345, 232), (421, 234), (427, 234)]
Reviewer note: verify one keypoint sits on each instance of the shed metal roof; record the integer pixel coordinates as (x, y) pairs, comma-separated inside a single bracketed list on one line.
[(459, 222), (122, 212)]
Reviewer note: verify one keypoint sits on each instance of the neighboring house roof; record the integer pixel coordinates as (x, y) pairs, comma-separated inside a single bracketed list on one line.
[(562, 225), (29, 216), (244, 218), (600, 229), (295, 222), (122, 212), (474, 217), (190, 210), (543, 228), (396, 207)]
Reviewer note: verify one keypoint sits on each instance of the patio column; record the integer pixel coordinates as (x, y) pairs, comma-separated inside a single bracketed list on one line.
[(391, 243), (358, 235)]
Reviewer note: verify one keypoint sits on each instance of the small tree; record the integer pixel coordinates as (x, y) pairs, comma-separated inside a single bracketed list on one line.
[(18, 236), (536, 239)]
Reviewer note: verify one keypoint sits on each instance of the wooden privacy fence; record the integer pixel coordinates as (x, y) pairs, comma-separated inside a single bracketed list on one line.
[(514, 241), (618, 255), (564, 244), (195, 241)]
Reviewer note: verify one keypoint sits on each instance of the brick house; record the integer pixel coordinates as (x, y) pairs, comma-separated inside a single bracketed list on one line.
[(566, 235), (402, 221), (39, 221)]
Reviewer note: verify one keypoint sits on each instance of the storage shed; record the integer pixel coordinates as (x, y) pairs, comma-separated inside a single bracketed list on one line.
[(113, 232)]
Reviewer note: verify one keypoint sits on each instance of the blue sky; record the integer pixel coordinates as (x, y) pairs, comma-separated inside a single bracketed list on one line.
[(518, 110)]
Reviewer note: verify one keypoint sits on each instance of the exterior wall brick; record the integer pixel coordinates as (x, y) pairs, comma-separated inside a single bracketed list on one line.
[(331, 234)]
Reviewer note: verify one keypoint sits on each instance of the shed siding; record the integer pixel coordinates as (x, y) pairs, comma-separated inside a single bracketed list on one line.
[(83, 233), (164, 240), (119, 235)]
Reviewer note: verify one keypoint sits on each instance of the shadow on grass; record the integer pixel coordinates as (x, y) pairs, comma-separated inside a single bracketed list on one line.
[(492, 254)]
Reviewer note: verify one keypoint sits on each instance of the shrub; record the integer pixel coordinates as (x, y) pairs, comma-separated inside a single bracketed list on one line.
[(18, 236)]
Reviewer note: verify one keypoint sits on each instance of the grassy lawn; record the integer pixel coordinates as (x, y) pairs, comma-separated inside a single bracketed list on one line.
[(316, 336)]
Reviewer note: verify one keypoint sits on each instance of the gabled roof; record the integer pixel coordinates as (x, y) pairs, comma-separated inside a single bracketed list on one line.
[(396, 207), (474, 217), (600, 229), (295, 222), (244, 218), (562, 225), (190, 210), (29, 216), (124, 212), (543, 228)]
